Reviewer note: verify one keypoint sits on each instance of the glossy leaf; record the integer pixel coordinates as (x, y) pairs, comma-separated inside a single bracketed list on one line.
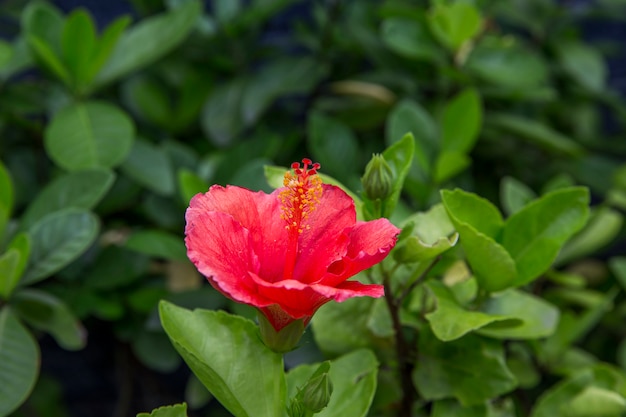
[(354, 379), (538, 318), (9, 276), (461, 122), (49, 58), (471, 369), (148, 41), (89, 135), (81, 189), (106, 45), (58, 239), (227, 355), (450, 321), (150, 166), (158, 243), (6, 197), (534, 235), (176, 410), (44, 311), (19, 362), (479, 223), (78, 41), (456, 23)]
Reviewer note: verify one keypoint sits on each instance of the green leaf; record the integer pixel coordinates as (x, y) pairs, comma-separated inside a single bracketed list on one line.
[(45, 312), (340, 328), (479, 224), (22, 243), (618, 267), (150, 166), (503, 62), (461, 122), (534, 235), (58, 239), (553, 400), (449, 408), (158, 243), (471, 369), (89, 135), (538, 317), (603, 226), (190, 184), (19, 362), (449, 164), (6, 53), (6, 197), (149, 40), (596, 402), (81, 189), (44, 21), (221, 118), (409, 117), (354, 378), (177, 410), (105, 45), (432, 234), (536, 133), (227, 355), (47, 55), (584, 64), (514, 195), (115, 267), (455, 24), (450, 321), (9, 277), (78, 41), (399, 156), (410, 38), (333, 143)]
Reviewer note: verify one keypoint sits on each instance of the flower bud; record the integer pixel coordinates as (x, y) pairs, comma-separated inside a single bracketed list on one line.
[(316, 393), (378, 178)]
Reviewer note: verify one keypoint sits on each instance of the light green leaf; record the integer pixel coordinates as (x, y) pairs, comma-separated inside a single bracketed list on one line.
[(177, 410), (19, 362), (58, 239), (471, 369), (6, 197), (456, 23), (105, 45), (514, 195), (89, 135), (399, 156), (534, 235), (47, 55), (536, 133), (450, 321), (149, 40), (227, 355), (551, 402), (150, 166), (81, 189), (21, 242), (538, 317), (479, 223), (449, 164), (45, 312), (603, 226), (78, 42), (354, 378), (461, 122), (595, 402), (158, 243)]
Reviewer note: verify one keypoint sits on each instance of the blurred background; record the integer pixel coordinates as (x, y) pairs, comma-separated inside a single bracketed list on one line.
[(126, 109)]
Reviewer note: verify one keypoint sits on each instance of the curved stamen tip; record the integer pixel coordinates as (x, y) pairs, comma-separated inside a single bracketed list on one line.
[(303, 189)]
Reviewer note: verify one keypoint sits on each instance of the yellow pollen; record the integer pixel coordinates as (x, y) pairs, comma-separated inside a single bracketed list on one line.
[(301, 195)]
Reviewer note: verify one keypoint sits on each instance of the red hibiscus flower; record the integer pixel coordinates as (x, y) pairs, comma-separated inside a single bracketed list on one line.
[(289, 252)]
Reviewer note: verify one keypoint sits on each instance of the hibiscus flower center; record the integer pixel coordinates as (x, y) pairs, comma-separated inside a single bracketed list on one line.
[(302, 193)]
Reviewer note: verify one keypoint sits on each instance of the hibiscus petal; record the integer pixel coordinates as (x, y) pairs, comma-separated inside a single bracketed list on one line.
[(257, 212), (221, 249), (325, 240), (370, 242)]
